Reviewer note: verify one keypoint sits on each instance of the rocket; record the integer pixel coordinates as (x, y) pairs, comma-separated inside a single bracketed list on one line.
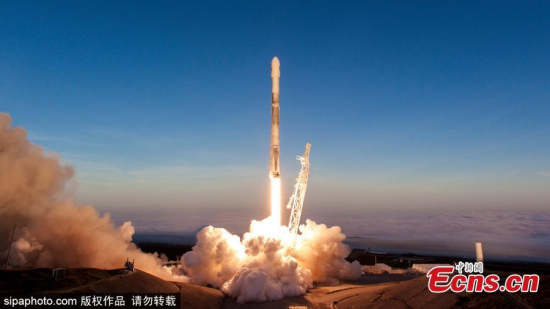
[(274, 168)]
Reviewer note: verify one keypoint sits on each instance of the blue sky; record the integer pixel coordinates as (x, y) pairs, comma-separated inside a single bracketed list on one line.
[(408, 104)]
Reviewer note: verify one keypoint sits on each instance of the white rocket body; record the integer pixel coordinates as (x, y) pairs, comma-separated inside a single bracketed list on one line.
[(274, 163)]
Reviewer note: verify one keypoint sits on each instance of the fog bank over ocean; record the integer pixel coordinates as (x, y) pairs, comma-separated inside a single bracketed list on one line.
[(504, 234)]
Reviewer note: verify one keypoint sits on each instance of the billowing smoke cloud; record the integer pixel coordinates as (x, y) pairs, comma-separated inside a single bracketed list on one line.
[(268, 264), (52, 231)]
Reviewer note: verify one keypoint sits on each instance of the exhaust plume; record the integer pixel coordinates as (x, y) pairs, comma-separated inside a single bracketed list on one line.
[(267, 264), (276, 200), (52, 231)]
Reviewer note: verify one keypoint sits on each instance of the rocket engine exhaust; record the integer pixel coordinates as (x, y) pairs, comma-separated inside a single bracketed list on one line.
[(274, 157), (276, 200)]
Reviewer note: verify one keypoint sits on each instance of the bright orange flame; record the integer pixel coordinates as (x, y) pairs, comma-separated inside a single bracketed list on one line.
[(276, 200)]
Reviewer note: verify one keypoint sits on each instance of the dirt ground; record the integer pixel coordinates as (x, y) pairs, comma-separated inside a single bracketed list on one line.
[(369, 291)]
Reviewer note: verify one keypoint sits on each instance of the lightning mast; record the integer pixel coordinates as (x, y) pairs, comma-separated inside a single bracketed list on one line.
[(296, 202)]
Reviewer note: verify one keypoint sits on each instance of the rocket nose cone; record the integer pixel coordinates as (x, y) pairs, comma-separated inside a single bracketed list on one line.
[(275, 63), (275, 68)]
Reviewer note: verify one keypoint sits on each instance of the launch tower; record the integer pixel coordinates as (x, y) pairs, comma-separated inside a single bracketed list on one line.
[(296, 202)]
